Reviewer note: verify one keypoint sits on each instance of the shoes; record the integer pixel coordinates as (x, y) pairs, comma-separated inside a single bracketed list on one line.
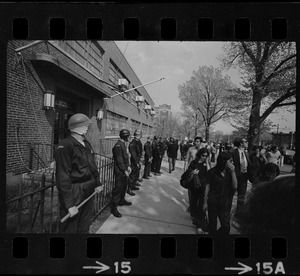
[(173, 169), (115, 212), (169, 171), (125, 203), (134, 188), (140, 180), (149, 175), (137, 184), (146, 177), (130, 192)]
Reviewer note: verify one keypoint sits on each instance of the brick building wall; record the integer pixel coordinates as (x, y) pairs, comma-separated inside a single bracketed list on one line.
[(28, 122)]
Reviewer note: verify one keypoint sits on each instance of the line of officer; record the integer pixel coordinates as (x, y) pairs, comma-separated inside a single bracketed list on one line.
[(135, 150), (121, 171), (77, 176)]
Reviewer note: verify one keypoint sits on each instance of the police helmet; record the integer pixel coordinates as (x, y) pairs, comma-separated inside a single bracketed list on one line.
[(124, 134), (78, 120)]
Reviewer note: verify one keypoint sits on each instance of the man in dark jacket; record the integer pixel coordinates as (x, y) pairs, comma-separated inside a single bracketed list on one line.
[(135, 150), (161, 148), (121, 171), (172, 151), (242, 166), (155, 154), (148, 158), (77, 176)]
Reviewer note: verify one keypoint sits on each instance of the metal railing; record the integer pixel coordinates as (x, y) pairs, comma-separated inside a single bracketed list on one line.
[(40, 155), (34, 206)]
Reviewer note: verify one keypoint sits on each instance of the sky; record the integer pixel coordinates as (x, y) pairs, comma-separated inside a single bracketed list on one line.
[(175, 61)]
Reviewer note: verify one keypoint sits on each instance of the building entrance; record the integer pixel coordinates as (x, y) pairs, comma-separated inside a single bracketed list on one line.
[(63, 111)]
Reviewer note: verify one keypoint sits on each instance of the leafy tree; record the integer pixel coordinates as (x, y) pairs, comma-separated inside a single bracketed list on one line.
[(204, 97), (269, 81)]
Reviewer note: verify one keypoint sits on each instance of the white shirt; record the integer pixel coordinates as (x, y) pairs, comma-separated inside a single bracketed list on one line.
[(240, 152)]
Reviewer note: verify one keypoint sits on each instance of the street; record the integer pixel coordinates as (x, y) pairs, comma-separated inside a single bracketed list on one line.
[(159, 207)]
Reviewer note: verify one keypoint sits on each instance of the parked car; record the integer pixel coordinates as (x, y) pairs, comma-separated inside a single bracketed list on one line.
[(288, 157)]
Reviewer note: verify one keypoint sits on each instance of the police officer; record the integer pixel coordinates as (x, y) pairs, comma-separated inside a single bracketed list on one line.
[(135, 150), (77, 176), (121, 171), (148, 158), (161, 148)]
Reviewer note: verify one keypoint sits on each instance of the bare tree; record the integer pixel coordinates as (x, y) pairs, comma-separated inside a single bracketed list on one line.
[(269, 80), (204, 95)]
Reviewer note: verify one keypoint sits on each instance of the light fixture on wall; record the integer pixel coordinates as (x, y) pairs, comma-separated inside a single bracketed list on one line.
[(49, 100), (139, 100), (100, 114), (148, 108)]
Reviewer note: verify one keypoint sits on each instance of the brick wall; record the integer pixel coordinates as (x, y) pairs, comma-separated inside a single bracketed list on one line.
[(28, 122)]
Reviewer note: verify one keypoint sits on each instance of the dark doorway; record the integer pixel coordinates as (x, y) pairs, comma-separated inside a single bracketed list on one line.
[(63, 112)]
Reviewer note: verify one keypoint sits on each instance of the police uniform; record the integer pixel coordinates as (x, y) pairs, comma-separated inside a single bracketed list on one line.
[(121, 164), (76, 179), (135, 150), (161, 151), (148, 155)]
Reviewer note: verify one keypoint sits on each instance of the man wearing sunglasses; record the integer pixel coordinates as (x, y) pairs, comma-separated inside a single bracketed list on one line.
[(242, 165)]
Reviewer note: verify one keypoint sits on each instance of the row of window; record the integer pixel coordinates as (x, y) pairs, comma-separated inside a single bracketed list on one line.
[(90, 56), (87, 53), (115, 123)]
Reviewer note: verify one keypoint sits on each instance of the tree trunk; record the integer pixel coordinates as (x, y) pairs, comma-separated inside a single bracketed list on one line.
[(206, 133), (254, 120)]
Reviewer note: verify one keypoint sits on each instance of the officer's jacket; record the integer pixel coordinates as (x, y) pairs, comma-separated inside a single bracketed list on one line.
[(121, 158), (135, 150), (76, 171), (148, 149)]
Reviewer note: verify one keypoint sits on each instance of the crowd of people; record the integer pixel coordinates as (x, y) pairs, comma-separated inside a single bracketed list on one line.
[(233, 170), (215, 172)]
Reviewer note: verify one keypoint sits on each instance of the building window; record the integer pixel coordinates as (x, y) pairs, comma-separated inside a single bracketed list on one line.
[(135, 125), (87, 53), (114, 124)]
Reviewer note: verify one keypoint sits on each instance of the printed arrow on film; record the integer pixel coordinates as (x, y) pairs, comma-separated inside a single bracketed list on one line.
[(242, 269), (102, 267)]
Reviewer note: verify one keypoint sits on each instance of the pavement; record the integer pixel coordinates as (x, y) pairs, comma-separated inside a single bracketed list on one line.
[(159, 206)]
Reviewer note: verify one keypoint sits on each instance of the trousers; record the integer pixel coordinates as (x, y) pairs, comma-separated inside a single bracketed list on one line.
[(241, 190), (218, 210), (134, 175), (172, 161), (80, 223), (147, 168), (119, 190)]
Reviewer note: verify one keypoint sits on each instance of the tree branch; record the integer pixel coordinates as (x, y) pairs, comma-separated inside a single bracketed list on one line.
[(249, 53), (275, 72), (290, 92), (285, 104)]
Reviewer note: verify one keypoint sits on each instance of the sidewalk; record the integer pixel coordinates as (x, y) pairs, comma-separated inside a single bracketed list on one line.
[(159, 207)]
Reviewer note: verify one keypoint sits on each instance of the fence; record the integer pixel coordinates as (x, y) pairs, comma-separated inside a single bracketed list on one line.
[(35, 209), (40, 155)]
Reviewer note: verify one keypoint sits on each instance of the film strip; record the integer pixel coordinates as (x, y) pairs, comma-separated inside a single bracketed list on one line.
[(143, 253)]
